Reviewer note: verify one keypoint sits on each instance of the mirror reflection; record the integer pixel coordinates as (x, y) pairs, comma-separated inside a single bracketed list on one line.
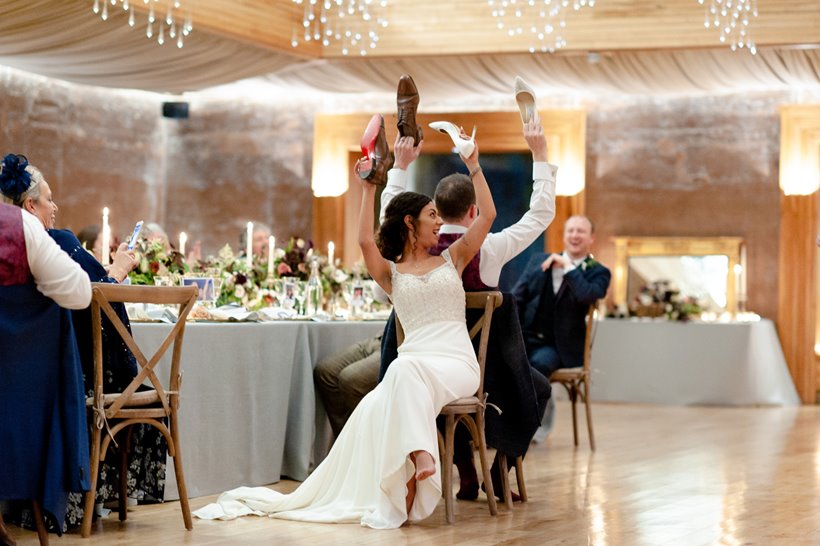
[(701, 279)]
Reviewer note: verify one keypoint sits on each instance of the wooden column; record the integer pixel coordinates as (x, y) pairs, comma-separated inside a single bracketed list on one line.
[(329, 224), (797, 290)]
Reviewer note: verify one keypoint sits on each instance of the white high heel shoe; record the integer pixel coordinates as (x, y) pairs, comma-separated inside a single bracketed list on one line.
[(525, 97), (465, 146)]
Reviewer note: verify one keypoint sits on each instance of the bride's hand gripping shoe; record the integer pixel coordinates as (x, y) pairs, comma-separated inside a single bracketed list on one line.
[(464, 146)]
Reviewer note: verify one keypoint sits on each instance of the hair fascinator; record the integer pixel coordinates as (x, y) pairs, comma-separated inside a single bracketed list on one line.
[(14, 179)]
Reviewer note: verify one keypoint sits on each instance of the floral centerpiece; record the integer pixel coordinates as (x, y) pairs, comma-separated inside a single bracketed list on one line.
[(156, 259), (248, 287), (662, 298)]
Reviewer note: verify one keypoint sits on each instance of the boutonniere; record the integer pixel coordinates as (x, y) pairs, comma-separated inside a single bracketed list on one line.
[(588, 263)]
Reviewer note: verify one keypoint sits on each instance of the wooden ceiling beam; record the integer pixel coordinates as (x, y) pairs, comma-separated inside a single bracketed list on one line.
[(467, 27)]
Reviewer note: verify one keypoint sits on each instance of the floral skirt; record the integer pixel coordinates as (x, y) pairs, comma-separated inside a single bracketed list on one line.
[(146, 480)]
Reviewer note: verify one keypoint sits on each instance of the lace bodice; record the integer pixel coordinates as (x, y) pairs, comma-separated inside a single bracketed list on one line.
[(436, 296)]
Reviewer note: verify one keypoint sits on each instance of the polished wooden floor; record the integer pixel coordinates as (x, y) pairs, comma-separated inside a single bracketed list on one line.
[(661, 476)]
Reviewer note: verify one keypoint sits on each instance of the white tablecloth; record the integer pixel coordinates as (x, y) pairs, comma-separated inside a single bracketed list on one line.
[(660, 362), (248, 413)]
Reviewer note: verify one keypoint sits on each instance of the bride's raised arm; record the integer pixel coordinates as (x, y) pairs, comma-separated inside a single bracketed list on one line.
[(377, 266), (463, 250)]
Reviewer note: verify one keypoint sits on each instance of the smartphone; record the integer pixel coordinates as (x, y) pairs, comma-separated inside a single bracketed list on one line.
[(134, 235)]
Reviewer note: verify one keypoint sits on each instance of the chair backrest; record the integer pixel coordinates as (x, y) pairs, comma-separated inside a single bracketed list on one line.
[(590, 335), (489, 301), (102, 296)]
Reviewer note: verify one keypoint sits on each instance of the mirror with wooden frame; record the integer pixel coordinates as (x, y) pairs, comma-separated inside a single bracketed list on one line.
[(703, 268)]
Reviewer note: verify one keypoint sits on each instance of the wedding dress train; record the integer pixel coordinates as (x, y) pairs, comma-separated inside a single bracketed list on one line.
[(364, 477)]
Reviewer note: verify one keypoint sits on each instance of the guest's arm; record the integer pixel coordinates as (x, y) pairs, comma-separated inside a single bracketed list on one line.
[(591, 287), (55, 274)]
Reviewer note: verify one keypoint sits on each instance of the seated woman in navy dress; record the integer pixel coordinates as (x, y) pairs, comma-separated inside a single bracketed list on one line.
[(43, 431), (148, 448)]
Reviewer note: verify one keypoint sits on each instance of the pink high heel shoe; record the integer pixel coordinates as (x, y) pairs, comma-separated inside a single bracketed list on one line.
[(368, 145)]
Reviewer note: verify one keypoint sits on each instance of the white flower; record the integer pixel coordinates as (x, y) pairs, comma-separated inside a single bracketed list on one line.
[(339, 276), (300, 243), (239, 292)]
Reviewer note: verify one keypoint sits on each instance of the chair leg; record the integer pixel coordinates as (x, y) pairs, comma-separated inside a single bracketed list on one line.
[(588, 405), (42, 533), (573, 396), (183, 491), (519, 478), (504, 474), (447, 467), (485, 468), (91, 495), (125, 446)]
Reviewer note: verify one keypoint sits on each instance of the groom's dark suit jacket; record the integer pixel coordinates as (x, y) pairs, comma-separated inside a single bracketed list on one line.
[(558, 320)]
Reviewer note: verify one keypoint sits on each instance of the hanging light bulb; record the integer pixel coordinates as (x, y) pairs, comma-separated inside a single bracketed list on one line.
[(341, 23), (178, 18)]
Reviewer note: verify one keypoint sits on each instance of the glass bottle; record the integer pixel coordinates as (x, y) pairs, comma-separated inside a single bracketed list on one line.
[(313, 293)]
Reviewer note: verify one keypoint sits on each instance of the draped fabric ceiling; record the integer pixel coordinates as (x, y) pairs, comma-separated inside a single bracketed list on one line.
[(63, 40)]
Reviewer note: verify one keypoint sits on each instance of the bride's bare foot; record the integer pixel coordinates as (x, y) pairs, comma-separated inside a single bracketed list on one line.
[(425, 465)]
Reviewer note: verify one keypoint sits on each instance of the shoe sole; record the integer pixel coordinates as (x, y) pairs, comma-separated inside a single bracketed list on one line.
[(526, 104), (368, 144)]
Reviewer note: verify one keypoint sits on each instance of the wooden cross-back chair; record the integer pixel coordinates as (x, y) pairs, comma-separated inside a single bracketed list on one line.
[(116, 412), (576, 380), (470, 410)]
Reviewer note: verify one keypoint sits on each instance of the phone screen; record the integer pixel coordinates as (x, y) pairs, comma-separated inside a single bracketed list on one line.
[(134, 235)]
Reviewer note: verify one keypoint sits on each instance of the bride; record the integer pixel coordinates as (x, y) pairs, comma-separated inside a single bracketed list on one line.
[(383, 468)]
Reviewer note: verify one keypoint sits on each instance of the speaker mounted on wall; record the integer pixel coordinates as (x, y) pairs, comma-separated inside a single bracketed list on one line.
[(175, 110)]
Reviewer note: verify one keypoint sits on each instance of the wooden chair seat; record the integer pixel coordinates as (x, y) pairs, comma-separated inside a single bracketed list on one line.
[(138, 399), (567, 374), (462, 405), (111, 414)]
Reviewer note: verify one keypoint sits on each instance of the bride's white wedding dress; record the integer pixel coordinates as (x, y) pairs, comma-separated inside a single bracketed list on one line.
[(364, 477)]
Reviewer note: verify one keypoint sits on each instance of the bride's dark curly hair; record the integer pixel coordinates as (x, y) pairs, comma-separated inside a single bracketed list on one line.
[(394, 233)]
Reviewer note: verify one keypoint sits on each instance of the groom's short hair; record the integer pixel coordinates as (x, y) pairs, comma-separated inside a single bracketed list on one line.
[(454, 196)]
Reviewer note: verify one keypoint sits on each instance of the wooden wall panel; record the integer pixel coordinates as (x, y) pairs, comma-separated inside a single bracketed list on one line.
[(798, 291)]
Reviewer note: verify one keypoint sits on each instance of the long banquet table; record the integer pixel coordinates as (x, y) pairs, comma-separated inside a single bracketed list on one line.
[(661, 362), (248, 412)]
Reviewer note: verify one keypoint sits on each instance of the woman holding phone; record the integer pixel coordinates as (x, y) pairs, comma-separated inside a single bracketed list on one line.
[(23, 185)]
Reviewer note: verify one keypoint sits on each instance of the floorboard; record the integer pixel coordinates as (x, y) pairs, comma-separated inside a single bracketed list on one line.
[(661, 476)]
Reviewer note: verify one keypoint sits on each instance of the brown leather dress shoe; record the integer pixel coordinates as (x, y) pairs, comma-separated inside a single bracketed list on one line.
[(407, 99), (383, 160)]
